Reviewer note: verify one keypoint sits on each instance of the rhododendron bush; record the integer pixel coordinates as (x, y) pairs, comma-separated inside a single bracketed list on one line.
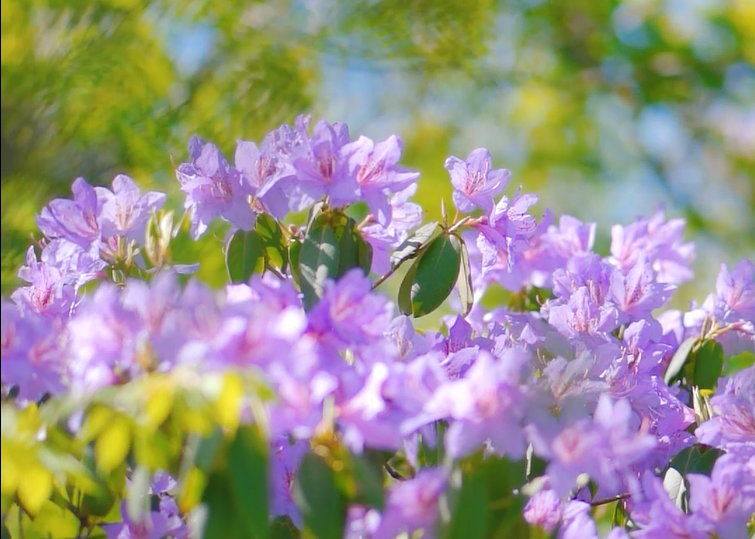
[(300, 400)]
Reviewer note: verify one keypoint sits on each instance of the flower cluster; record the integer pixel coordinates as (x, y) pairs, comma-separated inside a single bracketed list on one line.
[(582, 376)]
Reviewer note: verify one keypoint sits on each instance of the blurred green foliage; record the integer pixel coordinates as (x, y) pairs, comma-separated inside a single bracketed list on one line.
[(603, 108)]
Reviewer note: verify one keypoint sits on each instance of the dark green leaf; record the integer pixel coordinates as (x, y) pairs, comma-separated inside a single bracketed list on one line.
[(436, 275), (222, 514), (274, 241), (680, 358), (369, 476), (709, 361), (322, 506), (469, 508), (318, 259), (294, 252), (698, 458), (364, 253), (464, 283), (405, 290), (411, 247), (283, 528), (247, 461), (244, 255)]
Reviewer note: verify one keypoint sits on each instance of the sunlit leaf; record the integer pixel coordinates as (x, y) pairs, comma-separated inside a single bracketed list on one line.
[(113, 444), (414, 244), (244, 255), (464, 282), (436, 274), (322, 506), (248, 471), (34, 489)]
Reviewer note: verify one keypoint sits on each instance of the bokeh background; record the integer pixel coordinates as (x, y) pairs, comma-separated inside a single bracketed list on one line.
[(606, 109)]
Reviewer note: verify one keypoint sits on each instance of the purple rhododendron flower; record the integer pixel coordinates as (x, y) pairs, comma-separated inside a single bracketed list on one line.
[(322, 167), (33, 351), (475, 181), (154, 525), (732, 426), (267, 175), (74, 220), (486, 405), (349, 313), (213, 189), (50, 293), (374, 166), (285, 458), (125, 211), (543, 510), (637, 293), (413, 505), (726, 499)]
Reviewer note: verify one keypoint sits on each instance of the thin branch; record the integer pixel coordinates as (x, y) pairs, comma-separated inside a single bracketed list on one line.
[(616, 498)]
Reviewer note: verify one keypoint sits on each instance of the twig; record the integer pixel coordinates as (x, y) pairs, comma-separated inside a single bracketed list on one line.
[(393, 472), (616, 498)]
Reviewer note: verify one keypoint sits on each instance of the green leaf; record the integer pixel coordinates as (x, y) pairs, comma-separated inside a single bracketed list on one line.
[(294, 252), (283, 528), (276, 252), (464, 283), (369, 476), (364, 253), (247, 461), (322, 506), (244, 255), (405, 291), (414, 244), (318, 259), (353, 250), (698, 458), (709, 361), (469, 508), (680, 358), (436, 275), (222, 516), (737, 363)]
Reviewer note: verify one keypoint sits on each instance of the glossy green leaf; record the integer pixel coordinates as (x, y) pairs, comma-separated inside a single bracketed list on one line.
[(414, 244), (318, 259), (353, 250), (294, 252), (405, 290), (709, 362), (680, 358), (469, 508), (247, 467), (698, 458), (436, 275), (322, 505), (464, 282), (369, 476), (222, 513), (276, 251), (244, 255)]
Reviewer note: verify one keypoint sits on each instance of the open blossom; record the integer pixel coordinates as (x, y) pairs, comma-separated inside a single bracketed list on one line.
[(213, 188), (413, 505), (267, 174), (153, 525), (50, 292), (475, 181), (375, 168), (77, 220), (637, 293), (125, 211), (349, 313), (486, 405), (322, 167)]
